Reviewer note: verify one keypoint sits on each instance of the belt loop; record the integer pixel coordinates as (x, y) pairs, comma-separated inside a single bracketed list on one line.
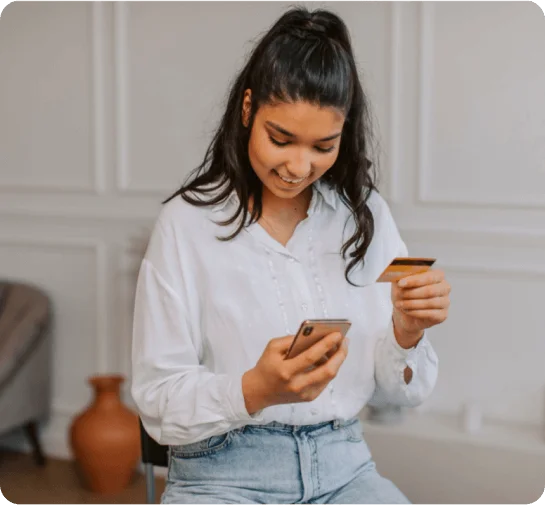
[(336, 424)]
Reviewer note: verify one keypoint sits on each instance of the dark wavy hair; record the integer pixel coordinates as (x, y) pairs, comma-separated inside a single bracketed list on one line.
[(305, 56)]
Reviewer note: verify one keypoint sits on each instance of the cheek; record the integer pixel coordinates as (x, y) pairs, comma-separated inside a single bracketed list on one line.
[(263, 154), (323, 162)]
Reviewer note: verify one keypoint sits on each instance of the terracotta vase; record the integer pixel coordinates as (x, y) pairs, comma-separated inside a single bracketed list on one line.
[(105, 438)]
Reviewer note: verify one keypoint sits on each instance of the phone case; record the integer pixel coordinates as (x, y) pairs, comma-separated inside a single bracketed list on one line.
[(313, 330)]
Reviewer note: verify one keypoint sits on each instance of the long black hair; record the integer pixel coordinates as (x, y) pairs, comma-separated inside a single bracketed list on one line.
[(305, 56)]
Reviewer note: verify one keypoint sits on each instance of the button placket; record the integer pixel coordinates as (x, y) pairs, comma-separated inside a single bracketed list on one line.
[(314, 268), (296, 273), (304, 297), (278, 292), (321, 296)]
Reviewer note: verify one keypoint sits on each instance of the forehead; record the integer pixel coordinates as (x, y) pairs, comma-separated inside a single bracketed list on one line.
[(303, 119)]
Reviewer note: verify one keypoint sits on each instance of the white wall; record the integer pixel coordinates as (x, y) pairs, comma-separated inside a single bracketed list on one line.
[(105, 107)]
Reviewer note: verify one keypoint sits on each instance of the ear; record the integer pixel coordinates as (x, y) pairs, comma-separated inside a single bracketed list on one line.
[(246, 107)]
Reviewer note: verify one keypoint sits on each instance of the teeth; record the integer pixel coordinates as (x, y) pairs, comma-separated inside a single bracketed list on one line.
[(291, 181)]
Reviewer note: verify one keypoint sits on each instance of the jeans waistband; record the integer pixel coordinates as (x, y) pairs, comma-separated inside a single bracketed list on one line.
[(335, 424)]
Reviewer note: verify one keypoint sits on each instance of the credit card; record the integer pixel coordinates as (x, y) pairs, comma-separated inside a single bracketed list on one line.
[(403, 267)]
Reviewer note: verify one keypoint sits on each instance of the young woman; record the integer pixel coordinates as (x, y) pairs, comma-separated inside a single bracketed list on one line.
[(282, 222)]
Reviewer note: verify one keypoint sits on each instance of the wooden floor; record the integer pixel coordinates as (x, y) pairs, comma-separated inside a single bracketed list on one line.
[(22, 481)]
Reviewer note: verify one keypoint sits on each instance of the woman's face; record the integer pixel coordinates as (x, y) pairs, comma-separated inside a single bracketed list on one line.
[(292, 144)]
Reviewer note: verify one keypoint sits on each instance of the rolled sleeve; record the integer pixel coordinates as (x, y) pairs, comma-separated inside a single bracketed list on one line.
[(390, 362), (237, 404)]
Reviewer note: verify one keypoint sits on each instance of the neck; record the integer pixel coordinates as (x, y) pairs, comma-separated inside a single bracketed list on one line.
[(286, 209)]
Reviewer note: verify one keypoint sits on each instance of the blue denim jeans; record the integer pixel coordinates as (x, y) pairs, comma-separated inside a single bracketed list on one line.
[(279, 463)]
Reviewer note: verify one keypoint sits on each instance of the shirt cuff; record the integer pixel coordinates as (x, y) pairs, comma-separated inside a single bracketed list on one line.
[(408, 357), (401, 351), (392, 360), (237, 405)]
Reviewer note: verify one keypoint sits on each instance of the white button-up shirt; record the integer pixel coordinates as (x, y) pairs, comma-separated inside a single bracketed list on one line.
[(206, 309)]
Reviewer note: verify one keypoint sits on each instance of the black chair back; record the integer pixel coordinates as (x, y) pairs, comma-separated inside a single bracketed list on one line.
[(152, 452)]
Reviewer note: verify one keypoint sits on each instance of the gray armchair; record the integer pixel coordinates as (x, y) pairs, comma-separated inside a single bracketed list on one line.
[(25, 360)]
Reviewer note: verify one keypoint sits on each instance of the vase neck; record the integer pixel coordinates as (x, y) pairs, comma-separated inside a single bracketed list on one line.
[(107, 390), (107, 399)]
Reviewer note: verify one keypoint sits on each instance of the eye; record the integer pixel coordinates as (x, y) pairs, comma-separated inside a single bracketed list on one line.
[(322, 150), (283, 144), (277, 143)]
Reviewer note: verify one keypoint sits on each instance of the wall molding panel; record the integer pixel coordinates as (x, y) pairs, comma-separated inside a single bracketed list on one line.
[(396, 83), (103, 341), (97, 186), (441, 196)]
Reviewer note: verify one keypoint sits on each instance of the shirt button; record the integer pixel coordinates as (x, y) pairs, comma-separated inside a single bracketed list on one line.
[(304, 307), (314, 412)]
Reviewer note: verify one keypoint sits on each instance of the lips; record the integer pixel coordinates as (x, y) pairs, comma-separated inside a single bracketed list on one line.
[(289, 180)]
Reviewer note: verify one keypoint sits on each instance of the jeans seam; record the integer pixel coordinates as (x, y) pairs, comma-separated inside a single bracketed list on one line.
[(315, 468)]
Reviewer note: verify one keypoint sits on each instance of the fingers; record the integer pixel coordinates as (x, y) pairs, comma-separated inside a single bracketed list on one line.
[(313, 354), (422, 286), (434, 316), (326, 372), (281, 344), (410, 305), (430, 291), (432, 276), (425, 296)]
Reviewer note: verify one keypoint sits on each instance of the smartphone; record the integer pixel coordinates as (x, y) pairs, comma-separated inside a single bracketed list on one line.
[(313, 330)]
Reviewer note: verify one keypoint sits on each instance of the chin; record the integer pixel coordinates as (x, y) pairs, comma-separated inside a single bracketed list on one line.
[(287, 192)]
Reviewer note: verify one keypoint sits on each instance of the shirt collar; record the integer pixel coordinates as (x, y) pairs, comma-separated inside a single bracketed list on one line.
[(328, 194), (232, 198)]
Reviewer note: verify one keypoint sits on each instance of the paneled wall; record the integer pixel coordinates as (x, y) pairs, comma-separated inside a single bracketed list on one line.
[(105, 107)]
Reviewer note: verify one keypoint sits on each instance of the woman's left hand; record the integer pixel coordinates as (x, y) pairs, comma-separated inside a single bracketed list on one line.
[(420, 302)]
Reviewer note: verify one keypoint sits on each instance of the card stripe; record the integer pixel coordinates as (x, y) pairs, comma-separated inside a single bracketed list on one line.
[(413, 262)]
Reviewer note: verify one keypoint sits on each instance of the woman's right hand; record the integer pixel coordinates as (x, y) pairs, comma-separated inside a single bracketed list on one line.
[(275, 380)]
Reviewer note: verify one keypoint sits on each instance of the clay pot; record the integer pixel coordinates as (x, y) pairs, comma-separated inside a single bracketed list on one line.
[(105, 438)]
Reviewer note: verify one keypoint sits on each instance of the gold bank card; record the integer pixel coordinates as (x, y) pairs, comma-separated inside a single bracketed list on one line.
[(403, 267)]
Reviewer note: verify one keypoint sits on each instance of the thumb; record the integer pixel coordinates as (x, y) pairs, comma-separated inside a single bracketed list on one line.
[(282, 344), (396, 292)]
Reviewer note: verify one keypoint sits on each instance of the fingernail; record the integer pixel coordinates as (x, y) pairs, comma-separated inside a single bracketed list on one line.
[(402, 283)]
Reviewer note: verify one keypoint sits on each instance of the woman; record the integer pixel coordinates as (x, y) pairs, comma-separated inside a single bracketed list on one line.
[(282, 222)]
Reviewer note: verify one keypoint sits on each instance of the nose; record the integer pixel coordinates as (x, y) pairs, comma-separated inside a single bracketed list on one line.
[(299, 166)]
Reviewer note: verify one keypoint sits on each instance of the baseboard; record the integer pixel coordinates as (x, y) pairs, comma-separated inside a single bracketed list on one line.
[(432, 460)]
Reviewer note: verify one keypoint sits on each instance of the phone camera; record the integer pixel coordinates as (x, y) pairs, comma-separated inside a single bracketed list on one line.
[(308, 330)]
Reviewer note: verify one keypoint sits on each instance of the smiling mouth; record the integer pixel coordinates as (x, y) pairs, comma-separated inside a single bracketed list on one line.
[(291, 181)]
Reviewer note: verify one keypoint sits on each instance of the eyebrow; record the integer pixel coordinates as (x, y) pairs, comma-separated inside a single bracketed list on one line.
[(289, 134)]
